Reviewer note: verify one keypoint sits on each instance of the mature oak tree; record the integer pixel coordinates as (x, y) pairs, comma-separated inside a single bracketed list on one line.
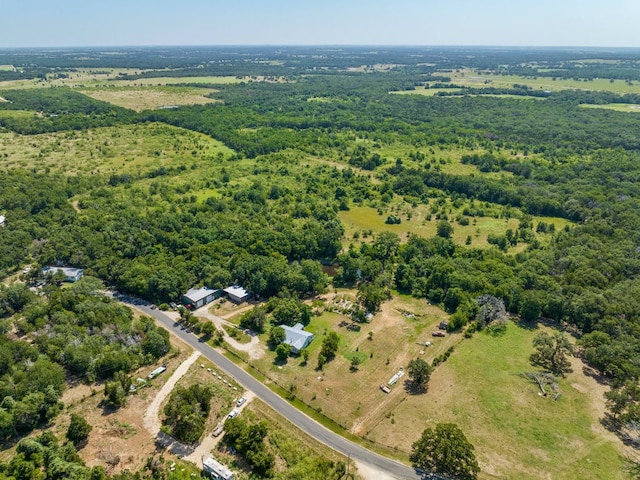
[(446, 451)]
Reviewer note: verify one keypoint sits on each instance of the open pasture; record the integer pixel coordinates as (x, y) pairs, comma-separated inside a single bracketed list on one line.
[(474, 79), (517, 432), (618, 107), (118, 150), (361, 220), (150, 98)]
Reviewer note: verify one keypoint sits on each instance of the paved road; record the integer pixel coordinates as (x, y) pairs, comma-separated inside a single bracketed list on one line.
[(302, 421)]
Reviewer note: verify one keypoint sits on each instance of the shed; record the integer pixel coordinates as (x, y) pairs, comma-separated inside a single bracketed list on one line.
[(70, 274), (237, 294), (198, 297), (297, 337), (216, 470), (2, 220)]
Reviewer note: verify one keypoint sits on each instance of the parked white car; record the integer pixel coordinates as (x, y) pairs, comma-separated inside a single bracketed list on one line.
[(241, 402), (233, 413)]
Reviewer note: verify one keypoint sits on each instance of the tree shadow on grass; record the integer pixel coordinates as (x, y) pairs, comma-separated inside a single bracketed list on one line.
[(413, 388)]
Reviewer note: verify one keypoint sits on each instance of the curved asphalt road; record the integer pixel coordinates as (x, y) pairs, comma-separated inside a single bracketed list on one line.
[(302, 421)]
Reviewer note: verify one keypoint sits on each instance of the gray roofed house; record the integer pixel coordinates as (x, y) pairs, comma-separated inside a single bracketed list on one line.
[(198, 297), (297, 337)]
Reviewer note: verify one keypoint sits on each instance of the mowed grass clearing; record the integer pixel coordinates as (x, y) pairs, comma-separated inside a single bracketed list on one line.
[(150, 98), (517, 433)]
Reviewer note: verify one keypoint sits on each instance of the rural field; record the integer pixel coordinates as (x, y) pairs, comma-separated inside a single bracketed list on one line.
[(563, 437), (298, 175)]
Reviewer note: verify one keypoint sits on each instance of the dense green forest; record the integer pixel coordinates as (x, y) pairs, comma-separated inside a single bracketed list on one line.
[(266, 215)]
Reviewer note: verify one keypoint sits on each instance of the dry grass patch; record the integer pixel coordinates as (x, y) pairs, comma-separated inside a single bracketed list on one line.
[(150, 98), (118, 440), (353, 397)]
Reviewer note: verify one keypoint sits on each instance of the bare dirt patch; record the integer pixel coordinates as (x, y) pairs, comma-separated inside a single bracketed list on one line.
[(119, 439)]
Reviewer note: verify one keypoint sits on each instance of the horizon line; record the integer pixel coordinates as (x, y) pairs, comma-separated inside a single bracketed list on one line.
[(322, 45)]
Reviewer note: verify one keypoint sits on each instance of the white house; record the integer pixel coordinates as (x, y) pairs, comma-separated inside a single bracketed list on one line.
[(237, 294), (297, 337), (70, 274), (216, 470), (199, 297)]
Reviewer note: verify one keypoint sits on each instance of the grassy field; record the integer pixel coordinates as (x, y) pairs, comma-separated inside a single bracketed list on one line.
[(86, 78), (6, 68), (618, 107), (470, 78), (431, 92), (517, 433), (367, 219), (132, 149), (148, 98)]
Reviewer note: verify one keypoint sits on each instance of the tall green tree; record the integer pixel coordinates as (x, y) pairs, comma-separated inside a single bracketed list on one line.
[(552, 352), (419, 373), (445, 450)]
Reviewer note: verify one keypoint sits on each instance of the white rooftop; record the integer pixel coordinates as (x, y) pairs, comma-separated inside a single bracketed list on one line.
[(236, 291), (2, 218), (197, 294), (214, 466)]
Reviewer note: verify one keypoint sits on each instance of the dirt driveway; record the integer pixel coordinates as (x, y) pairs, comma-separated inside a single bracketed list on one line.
[(152, 415)]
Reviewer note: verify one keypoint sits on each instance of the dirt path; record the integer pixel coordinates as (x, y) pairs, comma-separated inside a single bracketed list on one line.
[(151, 416), (253, 348), (210, 442)]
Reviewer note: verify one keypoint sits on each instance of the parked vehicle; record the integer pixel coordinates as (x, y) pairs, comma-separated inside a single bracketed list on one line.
[(241, 402), (233, 413), (439, 334)]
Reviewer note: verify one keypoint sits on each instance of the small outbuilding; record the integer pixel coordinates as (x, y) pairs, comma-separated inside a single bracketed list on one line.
[(237, 294), (297, 337), (70, 274), (216, 470), (199, 297), (2, 220)]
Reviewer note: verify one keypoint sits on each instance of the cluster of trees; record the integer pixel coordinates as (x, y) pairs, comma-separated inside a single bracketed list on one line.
[(44, 457), (249, 441), (76, 333), (187, 411)]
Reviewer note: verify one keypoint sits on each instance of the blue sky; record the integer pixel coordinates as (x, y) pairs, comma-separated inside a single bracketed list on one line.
[(53, 23)]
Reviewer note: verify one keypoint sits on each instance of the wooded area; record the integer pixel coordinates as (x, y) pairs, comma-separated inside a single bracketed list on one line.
[(311, 136)]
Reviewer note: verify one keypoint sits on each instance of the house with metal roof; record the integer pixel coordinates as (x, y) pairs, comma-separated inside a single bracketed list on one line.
[(296, 337), (237, 294), (199, 297)]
